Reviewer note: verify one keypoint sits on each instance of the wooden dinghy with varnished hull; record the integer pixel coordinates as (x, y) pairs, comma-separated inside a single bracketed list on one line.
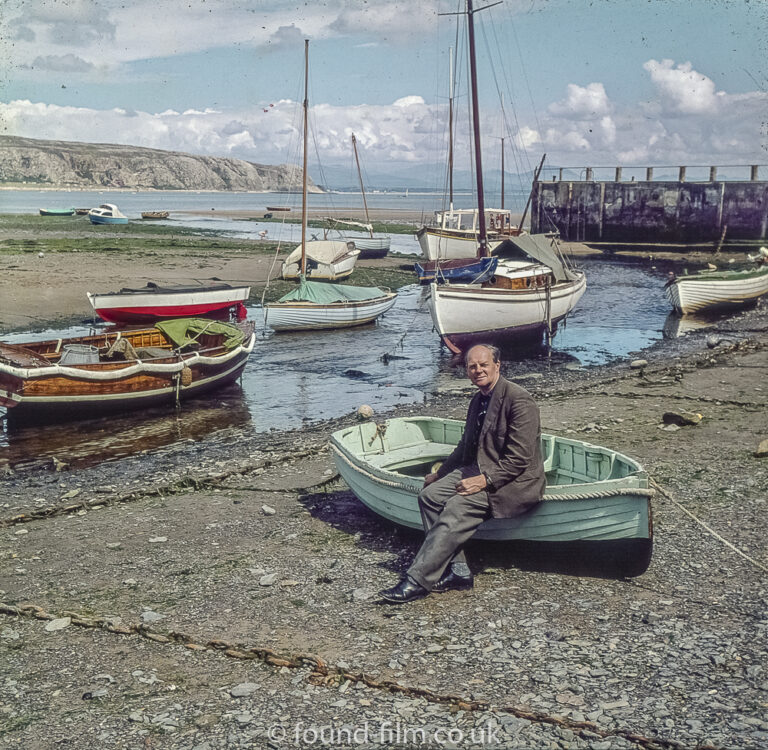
[(121, 369)]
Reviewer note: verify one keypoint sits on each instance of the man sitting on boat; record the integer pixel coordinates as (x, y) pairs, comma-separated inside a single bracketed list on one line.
[(496, 471)]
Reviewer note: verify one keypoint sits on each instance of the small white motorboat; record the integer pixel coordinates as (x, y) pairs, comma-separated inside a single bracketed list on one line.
[(107, 213), (715, 289)]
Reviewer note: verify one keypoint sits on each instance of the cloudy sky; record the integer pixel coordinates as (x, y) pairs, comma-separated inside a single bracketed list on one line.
[(589, 82)]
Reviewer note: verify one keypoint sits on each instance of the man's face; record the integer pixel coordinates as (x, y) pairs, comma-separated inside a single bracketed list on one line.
[(481, 369)]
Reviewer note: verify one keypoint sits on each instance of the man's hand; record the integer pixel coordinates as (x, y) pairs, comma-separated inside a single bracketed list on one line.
[(432, 477), (470, 485)]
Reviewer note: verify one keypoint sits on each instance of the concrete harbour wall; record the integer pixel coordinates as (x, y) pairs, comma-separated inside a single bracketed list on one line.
[(685, 213)]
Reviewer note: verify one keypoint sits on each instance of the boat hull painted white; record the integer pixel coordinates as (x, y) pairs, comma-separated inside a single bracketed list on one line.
[(326, 259), (137, 306), (690, 295), (309, 316), (464, 314), (439, 244), (372, 244)]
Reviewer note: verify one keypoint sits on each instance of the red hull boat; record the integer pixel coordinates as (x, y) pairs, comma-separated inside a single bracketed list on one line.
[(153, 302)]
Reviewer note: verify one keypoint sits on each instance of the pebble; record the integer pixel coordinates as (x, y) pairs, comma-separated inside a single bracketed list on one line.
[(638, 364), (243, 689), (95, 694), (268, 510), (58, 624), (268, 580), (150, 616), (158, 539), (682, 418), (762, 449)]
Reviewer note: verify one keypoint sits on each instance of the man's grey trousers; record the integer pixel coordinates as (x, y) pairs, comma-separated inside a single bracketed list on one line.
[(449, 521)]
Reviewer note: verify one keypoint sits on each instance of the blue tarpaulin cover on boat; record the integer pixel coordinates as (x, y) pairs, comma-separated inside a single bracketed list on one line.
[(326, 294)]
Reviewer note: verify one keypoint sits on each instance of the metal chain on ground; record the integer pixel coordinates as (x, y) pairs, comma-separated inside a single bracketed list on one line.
[(326, 675), (709, 529)]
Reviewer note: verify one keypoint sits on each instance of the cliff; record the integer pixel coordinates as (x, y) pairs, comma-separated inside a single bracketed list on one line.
[(61, 164)]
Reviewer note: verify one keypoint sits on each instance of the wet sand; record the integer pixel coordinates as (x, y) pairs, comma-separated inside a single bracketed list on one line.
[(51, 289), (351, 212)]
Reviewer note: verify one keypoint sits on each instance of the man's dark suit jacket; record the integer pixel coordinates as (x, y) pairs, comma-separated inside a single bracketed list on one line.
[(508, 449)]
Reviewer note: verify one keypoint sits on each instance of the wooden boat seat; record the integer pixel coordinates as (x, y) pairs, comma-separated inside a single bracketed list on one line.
[(20, 356), (410, 455)]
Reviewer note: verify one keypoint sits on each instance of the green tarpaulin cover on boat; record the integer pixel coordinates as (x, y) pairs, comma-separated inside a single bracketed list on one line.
[(326, 294), (185, 331)]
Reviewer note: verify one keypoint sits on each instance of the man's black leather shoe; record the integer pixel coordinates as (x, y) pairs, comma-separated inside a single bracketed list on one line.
[(405, 591), (452, 582)]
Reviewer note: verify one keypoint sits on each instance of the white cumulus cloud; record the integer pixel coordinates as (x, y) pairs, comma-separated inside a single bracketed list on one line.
[(583, 102), (682, 89)]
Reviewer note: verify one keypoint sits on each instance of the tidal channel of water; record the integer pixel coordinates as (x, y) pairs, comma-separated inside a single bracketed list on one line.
[(296, 378)]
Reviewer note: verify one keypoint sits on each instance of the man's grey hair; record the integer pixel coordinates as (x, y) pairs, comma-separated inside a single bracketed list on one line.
[(494, 350)]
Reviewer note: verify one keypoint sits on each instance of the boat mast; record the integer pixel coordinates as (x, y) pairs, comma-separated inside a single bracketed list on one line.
[(503, 122), (360, 177), (304, 171), (450, 129), (502, 172), (482, 250)]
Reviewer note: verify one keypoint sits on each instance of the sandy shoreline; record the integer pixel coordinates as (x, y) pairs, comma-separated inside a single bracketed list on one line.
[(356, 213), (41, 290), (45, 287)]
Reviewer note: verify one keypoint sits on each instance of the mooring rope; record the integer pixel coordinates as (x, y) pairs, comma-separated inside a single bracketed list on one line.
[(596, 494), (329, 676), (709, 529)]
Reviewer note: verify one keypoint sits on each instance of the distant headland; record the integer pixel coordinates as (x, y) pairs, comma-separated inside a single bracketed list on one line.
[(30, 162)]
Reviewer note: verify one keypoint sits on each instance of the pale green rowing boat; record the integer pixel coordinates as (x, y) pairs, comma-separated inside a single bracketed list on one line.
[(593, 493)]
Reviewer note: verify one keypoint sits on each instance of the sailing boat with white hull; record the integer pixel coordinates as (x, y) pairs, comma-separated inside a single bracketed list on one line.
[(525, 298), (452, 236), (317, 305)]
